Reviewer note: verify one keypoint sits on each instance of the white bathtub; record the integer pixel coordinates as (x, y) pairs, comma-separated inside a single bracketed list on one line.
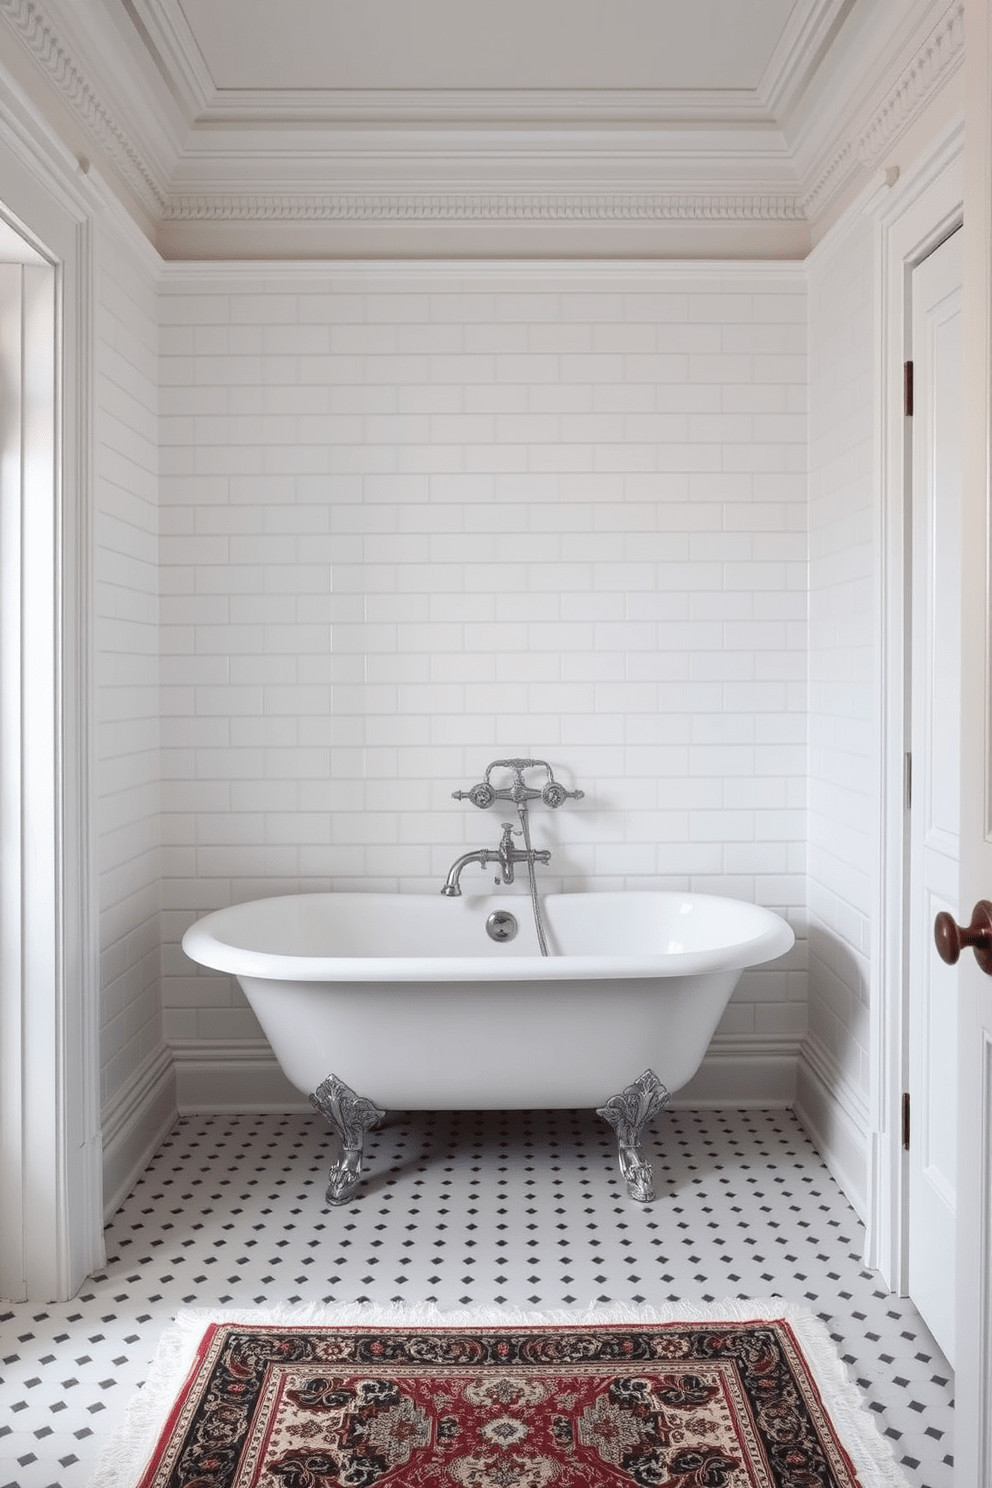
[(406, 1000)]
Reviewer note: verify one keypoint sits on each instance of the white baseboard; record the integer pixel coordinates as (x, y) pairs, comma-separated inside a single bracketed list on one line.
[(834, 1115), (743, 1073), (215, 1077), (135, 1123)]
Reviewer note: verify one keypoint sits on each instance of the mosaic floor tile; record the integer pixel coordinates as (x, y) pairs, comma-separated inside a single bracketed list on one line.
[(523, 1209)]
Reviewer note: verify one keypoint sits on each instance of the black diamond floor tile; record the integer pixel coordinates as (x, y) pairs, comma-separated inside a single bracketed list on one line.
[(466, 1209)]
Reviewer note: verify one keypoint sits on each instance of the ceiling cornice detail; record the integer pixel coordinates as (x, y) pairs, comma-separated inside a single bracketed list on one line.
[(37, 35), (503, 106), (832, 179), (203, 179), (167, 25), (940, 55), (942, 52), (806, 35), (573, 207)]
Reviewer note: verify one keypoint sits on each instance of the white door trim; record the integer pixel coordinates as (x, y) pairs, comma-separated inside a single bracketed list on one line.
[(51, 1147), (923, 210)]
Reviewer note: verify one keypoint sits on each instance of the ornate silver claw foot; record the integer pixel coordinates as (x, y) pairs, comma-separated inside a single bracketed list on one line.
[(351, 1116), (629, 1113)]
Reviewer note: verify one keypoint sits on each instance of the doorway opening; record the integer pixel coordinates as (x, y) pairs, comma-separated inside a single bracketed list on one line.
[(924, 212)]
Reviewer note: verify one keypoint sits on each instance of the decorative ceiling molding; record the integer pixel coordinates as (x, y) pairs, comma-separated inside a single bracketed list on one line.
[(911, 91), (941, 54), (503, 106), (800, 48), (578, 159), (174, 45), (831, 181), (173, 49), (573, 207), (38, 37)]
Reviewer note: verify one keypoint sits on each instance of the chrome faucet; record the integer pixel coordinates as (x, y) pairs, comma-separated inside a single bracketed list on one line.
[(506, 855), (484, 794)]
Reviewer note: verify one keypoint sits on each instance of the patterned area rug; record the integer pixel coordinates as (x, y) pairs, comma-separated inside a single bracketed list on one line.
[(745, 1395)]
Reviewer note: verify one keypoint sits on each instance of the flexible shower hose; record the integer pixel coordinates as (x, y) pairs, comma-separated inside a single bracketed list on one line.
[(532, 879)]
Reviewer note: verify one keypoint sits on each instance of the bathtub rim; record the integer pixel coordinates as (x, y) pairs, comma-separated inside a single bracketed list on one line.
[(773, 939)]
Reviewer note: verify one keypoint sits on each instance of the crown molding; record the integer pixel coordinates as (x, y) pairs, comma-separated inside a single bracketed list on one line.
[(175, 54), (178, 57), (75, 192), (859, 144), (549, 206), (941, 54), (803, 43), (833, 178), (503, 106), (52, 56), (174, 48), (395, 160)]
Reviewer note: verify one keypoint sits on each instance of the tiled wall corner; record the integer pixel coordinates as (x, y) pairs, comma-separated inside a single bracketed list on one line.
[(843, 804), (126, 653), (414, 520)]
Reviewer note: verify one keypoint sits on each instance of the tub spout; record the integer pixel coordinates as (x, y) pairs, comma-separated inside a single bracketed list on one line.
[(452, 884), (506, 855)]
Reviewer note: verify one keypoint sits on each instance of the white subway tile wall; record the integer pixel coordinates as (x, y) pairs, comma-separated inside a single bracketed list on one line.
[(125, 647), (844, 812), (419, 518)]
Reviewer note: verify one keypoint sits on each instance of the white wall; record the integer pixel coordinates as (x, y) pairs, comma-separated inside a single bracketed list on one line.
[(418, 518), (844, 809)]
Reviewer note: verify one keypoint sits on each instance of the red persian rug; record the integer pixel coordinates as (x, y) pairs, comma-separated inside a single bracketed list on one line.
[(749, 1395)]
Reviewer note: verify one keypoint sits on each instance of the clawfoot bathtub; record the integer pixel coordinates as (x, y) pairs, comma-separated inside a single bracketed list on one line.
[(421, 1002)]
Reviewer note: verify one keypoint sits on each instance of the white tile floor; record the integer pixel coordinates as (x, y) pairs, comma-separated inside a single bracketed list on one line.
[(520, 1208)]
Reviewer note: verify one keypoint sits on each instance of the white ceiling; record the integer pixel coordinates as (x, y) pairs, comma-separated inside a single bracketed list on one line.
[(342, 45), (272, 128)]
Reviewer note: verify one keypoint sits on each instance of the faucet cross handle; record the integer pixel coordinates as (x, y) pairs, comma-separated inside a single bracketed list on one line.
[(481, 795), (484, 794)]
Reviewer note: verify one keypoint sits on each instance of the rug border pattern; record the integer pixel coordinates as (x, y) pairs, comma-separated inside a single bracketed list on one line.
[(127, 1455)]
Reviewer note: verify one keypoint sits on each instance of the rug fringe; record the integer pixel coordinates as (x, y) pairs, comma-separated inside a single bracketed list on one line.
[(123, 1458)]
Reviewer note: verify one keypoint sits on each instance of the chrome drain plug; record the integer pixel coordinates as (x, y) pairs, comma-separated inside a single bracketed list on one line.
[(501, 925)]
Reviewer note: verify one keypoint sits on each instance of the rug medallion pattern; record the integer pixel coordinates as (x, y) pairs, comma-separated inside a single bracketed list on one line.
[(715, 1405)]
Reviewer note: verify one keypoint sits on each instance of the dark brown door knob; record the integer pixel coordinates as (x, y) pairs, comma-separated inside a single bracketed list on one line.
[(951, 938)]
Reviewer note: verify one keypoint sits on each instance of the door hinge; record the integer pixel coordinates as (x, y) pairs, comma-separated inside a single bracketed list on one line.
[(905, 1120), (907, 778), (907, 387)]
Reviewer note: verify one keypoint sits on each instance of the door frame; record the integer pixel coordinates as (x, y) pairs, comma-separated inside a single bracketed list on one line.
[(924, 209), (51, 1152)]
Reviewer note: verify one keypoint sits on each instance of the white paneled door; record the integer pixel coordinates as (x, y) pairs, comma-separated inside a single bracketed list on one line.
[(935, 787), (973, 1341)]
